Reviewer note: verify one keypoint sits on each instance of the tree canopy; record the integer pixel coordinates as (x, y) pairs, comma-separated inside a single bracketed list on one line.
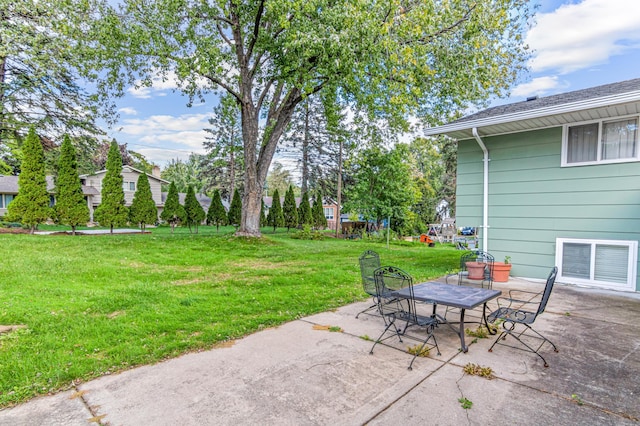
[(235, 209), (173, 212), (389, 59), (194, 211), (383, 184), (217, 215), (275, 217), (112, 210), (31, 205), (305, 215), (289, 209), (224, 163), (143, 210), (38, 78), (319, 219), (71, 207)]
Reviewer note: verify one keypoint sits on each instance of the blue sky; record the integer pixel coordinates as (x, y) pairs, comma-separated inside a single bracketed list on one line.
[(576, 44)]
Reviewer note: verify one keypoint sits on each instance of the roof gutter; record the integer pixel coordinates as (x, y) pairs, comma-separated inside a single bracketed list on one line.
[(485, 190)]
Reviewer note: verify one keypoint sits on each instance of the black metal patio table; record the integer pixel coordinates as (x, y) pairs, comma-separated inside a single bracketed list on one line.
[(451, 295)]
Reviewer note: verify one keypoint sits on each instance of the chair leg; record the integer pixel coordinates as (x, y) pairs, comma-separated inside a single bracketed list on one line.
[(392, 322), (508, 330), (375, 305), (429, 336)]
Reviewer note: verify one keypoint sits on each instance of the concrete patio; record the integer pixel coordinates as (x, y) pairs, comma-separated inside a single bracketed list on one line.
[(302, 374)]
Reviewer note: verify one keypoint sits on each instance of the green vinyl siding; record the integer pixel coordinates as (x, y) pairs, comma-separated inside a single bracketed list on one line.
[(533, 200)]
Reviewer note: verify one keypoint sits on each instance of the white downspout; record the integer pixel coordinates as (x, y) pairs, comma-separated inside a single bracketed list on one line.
[(485, 191)]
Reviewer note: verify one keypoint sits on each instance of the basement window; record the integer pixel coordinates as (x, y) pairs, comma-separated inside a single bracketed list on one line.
[(597, 263)]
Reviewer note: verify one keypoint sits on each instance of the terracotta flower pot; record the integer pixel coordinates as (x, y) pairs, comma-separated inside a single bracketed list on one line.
[(476, 270), (500, 272)]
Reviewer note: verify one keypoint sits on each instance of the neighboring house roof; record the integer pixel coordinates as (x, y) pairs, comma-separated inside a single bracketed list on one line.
[(9, 185), (609, 100), (204, 201), (130, 169), (268, 201)]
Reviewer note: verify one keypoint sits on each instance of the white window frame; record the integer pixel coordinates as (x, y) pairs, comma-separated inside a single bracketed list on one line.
[(632, 263), (329, 216), (3, 200), (565, 142), (126, 185)]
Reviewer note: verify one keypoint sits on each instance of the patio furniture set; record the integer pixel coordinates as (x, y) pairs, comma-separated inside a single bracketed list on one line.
[(405, 306)]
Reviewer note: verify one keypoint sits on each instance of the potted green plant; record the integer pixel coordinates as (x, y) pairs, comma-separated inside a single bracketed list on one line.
[(501, 270)]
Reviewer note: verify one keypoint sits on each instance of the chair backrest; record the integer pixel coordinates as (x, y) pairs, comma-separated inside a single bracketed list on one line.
[(476, 256), (391, 278), (369, 262), (547, 290), (482, 257)]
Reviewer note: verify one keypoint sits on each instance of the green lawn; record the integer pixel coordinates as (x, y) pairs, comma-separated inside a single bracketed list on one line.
[(99, 304)]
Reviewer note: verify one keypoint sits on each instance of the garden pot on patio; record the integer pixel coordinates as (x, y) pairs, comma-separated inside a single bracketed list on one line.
[(500, 272), (476, 270)]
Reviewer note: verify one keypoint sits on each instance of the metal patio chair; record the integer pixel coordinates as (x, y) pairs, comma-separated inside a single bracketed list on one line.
[(524, 310), (369, 262), (484, 261), (475, 258), (389, 279)]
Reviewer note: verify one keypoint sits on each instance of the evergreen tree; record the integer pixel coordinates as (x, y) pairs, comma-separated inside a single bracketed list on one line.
[(235, 210), (263, 215), (112, 211), (143, 209), (289, 209), (275, 217), (224, 165), (304, 211), (195, 212), (319, 219), (216, 215), (71, 207), (31, 205), (173, 212)]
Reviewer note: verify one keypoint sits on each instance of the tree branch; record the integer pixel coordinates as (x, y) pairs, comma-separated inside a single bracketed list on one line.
[(430, 38), (256, 29), (264, 93), (224, 37)]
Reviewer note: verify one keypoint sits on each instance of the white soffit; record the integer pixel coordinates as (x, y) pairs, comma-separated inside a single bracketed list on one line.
[(594, 109)]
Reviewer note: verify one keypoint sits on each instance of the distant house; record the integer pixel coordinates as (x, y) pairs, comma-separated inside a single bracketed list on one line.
[(91, 188), (130, 184), (9, 190), (556, 181), (329, 206)]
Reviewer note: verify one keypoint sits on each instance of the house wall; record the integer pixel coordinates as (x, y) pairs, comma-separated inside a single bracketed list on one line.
[(533, 201), (128, 175)]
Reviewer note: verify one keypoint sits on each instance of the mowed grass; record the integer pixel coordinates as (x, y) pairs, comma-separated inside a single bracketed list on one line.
[(94, 305)]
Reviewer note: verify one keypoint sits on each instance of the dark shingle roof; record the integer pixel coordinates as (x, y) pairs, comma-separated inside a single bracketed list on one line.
[(560, 99)]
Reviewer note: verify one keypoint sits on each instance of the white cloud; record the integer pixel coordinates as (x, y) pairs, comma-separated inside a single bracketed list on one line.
[(578, 36), (163, 156), (163, 137), (128, 111), (160, 86), (539, 86)]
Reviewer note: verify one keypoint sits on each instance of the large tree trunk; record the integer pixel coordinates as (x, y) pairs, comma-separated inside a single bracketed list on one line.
[(257, 165)]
